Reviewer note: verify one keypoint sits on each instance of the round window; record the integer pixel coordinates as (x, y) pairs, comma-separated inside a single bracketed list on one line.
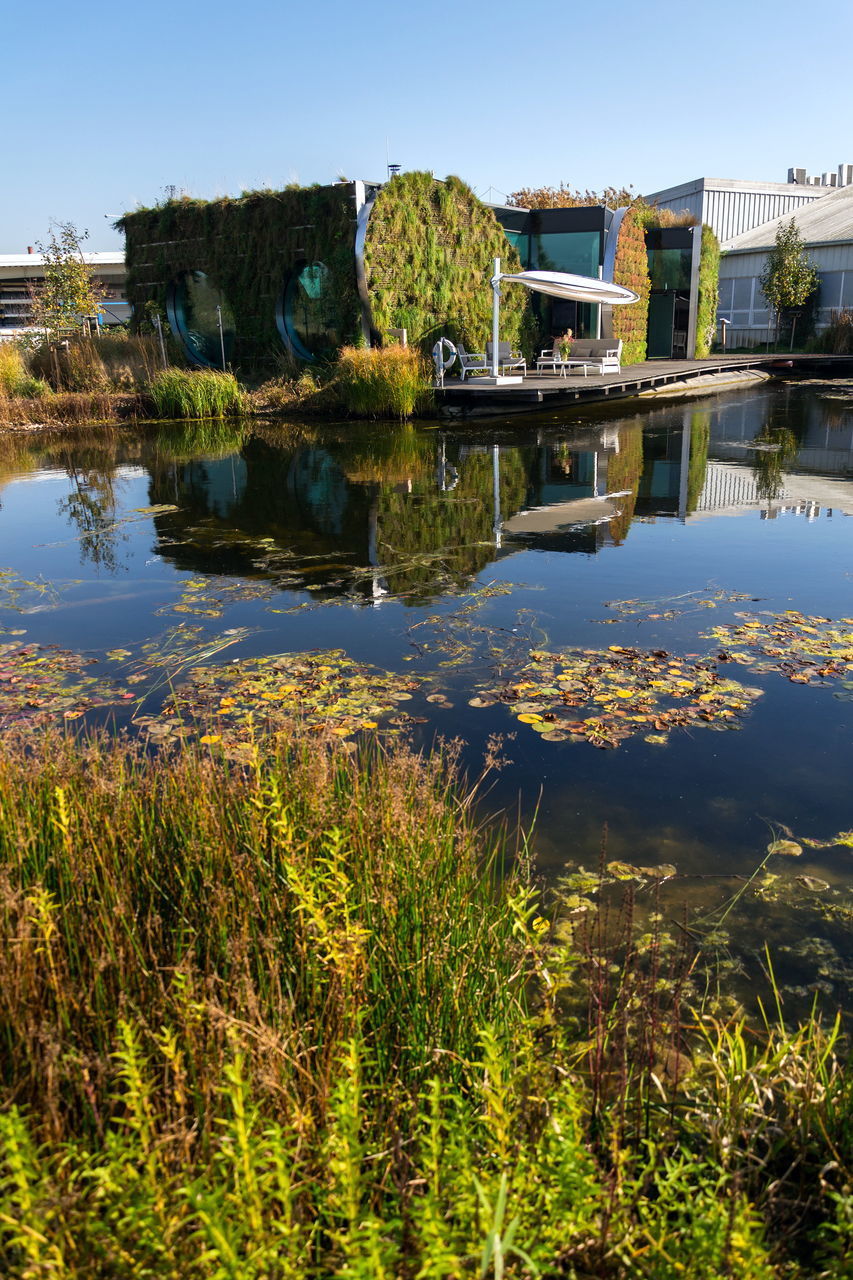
[(306, 319), (201, 317)]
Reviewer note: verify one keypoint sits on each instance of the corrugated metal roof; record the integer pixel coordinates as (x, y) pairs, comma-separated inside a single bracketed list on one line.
[(825, 221), (114, 258)]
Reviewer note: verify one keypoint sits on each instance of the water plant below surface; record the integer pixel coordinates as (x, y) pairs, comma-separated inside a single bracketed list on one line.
[(195, 393)]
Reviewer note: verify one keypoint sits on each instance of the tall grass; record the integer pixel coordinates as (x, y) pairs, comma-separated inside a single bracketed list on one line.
[(115, 361), (195, 393), (283, 1021), (383, 382)]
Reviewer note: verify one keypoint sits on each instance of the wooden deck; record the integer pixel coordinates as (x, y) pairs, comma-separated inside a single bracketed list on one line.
[(544, 391)]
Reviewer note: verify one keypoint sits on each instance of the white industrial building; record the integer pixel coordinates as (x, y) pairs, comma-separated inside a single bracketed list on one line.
[(745, 216), (21, 273)]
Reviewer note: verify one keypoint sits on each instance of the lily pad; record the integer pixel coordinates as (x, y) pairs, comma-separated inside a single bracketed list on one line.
[(619, 692)]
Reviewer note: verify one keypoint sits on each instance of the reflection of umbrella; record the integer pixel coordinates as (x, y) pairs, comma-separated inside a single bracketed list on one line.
[(559, 284), (564, 515)]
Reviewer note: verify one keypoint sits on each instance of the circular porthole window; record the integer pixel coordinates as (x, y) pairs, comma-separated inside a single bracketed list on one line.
[(192, 310), (305, 314)]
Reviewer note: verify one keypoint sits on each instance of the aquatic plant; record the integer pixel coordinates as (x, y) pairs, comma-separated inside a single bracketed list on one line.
[(195, 393)]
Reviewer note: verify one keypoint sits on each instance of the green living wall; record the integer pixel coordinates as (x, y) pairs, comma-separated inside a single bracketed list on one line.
[(428, 261), (709, 292), (249, 247), (632, 270)]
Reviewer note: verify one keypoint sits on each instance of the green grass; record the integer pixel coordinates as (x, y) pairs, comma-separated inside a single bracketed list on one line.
[(284, 1020), (195, 393), (383, 382)]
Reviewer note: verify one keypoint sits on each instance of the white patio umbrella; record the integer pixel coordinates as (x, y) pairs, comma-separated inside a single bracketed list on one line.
[(558, 284)]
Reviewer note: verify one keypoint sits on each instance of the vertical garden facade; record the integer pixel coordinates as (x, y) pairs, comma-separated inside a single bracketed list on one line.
[(302, 272), (278, 278)]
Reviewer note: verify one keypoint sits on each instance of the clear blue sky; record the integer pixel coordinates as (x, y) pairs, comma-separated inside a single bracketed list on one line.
[(108, 104)]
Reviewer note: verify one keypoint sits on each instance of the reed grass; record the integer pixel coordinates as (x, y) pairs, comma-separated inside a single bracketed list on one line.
[(195, 393), (383, 382), (284, 1020)]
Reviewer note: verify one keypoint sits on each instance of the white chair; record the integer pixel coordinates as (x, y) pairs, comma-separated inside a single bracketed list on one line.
[(507, 358), (471, 361)]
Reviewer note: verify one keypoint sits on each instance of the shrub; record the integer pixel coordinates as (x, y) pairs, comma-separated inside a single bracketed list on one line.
[(14, 373), (195, 393), (837, 338), (383, 382)]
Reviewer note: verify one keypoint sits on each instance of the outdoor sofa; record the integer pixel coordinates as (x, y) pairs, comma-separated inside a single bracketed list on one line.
[(601, 354)]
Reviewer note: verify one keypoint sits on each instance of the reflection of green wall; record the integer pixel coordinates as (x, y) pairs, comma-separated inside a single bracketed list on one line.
[(700, 436), (624, 470), (462, 521), (306, 502)]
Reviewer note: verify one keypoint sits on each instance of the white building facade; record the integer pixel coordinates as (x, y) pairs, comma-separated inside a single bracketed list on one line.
[(21, 273), (746, 216)]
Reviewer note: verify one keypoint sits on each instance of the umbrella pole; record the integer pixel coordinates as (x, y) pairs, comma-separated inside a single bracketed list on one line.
[(496, 305)]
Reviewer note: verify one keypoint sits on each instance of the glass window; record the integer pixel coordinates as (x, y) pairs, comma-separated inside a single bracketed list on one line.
[(306, 317), (742, 293), (192, 309), (847, 290), (830, 288), (726, 295), (576, 251), (669, 268)]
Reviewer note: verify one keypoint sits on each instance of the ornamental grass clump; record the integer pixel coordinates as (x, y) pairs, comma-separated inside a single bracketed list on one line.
[(195, 393), (383, 382)]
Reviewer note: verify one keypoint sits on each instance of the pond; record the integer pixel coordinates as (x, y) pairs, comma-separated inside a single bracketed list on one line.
[(651, 614)]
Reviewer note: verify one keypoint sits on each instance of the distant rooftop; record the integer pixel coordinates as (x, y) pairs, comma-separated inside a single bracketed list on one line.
[(828, 220)]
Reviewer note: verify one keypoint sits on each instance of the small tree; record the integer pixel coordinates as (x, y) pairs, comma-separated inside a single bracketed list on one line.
[(68, 290), (790, 277)]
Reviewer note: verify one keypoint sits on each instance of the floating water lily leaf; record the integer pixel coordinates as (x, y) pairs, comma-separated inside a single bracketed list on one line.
[(41, 684), (844, 839), (802, 648), (789, 848), (322, 691), (624, 691)]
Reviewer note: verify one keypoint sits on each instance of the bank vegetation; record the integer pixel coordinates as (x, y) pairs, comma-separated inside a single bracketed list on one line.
[(302, 1017)]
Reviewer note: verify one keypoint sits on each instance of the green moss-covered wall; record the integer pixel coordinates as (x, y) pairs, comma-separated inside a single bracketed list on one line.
[(632, 271), (248, 246), (428, 262), (709, 292)]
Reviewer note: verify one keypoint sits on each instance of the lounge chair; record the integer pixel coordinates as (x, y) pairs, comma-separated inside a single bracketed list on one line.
[(507, 358), (471, 361)]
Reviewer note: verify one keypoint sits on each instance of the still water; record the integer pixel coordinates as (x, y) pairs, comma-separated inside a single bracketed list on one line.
[(443, 557)]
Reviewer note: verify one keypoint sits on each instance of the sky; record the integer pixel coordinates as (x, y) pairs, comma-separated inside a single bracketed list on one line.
[(108, 105)]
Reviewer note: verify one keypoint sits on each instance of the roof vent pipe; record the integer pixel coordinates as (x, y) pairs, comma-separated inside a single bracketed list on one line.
[(30, 249)]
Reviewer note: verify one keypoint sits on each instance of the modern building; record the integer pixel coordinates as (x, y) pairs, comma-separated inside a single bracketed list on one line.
[(746, 216), (730, 206), (826, 228), (21, 274)]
